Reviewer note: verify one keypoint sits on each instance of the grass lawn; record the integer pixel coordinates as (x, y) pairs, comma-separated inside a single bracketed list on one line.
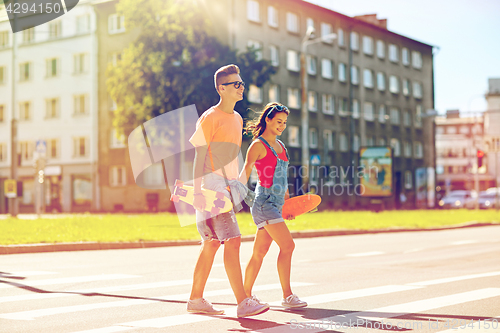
[(164, 226)]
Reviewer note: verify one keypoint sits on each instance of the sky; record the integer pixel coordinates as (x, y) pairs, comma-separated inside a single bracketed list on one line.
[(467, 33)]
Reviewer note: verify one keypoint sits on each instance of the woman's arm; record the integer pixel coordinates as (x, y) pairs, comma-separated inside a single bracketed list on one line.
[(255, 152)]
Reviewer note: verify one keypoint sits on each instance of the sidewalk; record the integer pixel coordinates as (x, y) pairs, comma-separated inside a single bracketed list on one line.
[(88, 246)]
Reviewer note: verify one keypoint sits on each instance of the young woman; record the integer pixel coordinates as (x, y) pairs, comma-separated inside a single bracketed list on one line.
[(270, 158)]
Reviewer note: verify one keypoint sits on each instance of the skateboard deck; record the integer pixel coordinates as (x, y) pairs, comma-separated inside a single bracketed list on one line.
[(300, 205), (216, 202)]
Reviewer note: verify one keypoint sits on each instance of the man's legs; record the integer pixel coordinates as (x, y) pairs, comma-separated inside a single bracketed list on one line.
[(233, 268), (260, 248), (203, 267)]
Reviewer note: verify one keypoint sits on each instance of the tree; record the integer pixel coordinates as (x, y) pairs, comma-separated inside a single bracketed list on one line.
[(172, 62)]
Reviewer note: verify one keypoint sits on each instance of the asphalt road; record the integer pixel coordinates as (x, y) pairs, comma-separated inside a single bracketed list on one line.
[(417, 281)]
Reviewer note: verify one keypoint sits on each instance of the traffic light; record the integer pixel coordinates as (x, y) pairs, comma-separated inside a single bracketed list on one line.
[(40, 176), (480, 155)]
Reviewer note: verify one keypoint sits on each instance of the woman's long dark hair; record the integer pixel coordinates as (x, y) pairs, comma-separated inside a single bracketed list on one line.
[(258, 125)]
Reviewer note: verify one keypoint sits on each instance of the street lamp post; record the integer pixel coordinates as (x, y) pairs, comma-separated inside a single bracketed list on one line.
[(304, 113)]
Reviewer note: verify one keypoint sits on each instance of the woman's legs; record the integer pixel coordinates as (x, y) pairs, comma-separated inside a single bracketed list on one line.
[(260, 247), (281, 235)]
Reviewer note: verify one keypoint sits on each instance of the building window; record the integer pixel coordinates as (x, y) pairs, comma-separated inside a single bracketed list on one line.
[(274, 93), (52, 67), (418, 116), (407, 118), (343, 106), (117, 176), (116, 140), (53, 148), (354, 41), (116, 24), (417, 90), (367, 45), (52, 108), (355, 108), (253, 11), (405, 56), (408, 180), (395, 119), (370, 141), (80, 147), (326, 29), (254, 94), (341, 37), (311, 65), (312, 101), (407, 148), (2, 113), (416, 59), (406, 87), (354, 75), (255, 46), (327, 68), (313, 138), (380, 49), (82, 24), (394, 84), (342, 70), (275, 56), (80, 103), (3, 74), (382, 114), (80, 63), (293, 136), (381, 81), (328, 140), (25, 71), (26, 150), (327, 101), (293, 98), (153, 176), (368, 78), (393, 53), (310, 23), (419, 152), (343, 145), (292, 22), (55, 29), (272, 16), (355, 143), (29, 35), (292, 61), (396, 146), (4, 38), (3, 152), (381, 142), (25, 111), (368, 111)]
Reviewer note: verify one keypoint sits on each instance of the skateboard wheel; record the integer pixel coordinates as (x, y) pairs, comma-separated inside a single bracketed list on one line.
[(219, 195), (174, 198), (179, 183), (215, 211)]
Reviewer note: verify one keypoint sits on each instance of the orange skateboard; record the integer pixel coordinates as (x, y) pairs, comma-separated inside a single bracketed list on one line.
[(300, 205), (216, 202)]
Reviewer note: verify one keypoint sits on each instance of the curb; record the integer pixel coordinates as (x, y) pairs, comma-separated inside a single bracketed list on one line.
[(92, 246)]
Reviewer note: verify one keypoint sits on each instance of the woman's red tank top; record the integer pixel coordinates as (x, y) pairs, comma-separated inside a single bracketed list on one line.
[(267, 165)]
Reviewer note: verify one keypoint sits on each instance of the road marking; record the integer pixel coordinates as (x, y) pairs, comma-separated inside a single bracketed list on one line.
[(477, 327), (465, 242), (453, 279), (32, 314), (77, 279), (29, 273), (365, 254), (67, 293)]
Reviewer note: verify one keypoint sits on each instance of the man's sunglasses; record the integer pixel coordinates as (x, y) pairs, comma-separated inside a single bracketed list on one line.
[(237, 84)]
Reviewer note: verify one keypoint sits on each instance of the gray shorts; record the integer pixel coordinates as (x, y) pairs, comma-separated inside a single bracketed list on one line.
[(223, 226)]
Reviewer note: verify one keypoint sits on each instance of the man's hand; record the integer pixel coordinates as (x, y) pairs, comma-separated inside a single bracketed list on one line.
[(199, 202)]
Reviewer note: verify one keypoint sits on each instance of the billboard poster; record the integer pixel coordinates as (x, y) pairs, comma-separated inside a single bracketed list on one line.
[(376, 167), (421, 188), (431, 188)]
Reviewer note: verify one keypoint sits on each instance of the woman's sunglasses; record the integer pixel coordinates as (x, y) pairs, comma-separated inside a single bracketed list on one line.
[(237, 84), (277, 107)]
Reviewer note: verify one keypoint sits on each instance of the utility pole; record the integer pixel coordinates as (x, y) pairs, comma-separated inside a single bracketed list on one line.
[(13, 202)]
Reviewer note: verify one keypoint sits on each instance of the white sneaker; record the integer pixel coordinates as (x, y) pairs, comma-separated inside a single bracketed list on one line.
[(203, 306), (293, 301), (255, 298), (250, 307)]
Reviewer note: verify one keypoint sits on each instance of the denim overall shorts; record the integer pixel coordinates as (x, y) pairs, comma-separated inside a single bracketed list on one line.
[(269, 201)]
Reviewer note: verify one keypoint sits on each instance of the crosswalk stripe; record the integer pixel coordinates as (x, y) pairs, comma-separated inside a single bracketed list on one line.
[(32, 314), (453, 279), (77, 279), (163, 284), (29, 273), (365, 254)]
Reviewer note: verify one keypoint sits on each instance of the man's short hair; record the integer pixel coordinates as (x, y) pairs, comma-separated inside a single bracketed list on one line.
[(223, 72)]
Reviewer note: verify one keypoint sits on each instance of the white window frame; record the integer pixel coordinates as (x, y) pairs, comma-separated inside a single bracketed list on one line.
[(382, 113), (25, 111), (272, 17), (25, 149), (293, 98), (396, 147), (327, 68), (292, 61), (253, 10), (274, 55), (406, 118), (380, 49), (393, 53), (55, 29), (312, 67), (407, 148), (355, 143), (313, 137), (77, 145), (4, 38), (405, 56), (328, 106), (51, 109), (355, 109), (381, 84), (417, 90), (354, 75), (416, 58), (326, 29), (312, 101), (255, 94), (342, 72), (341, 37), (77, 104), (80, 63), (293, 136), (274, 93), (113, 176), (83, 24), (418, 150), (328, 140), (394, 84), (343, 144), (406, 87), (2, 113), (116, 141), (23, 77), (51, 144), (116, 24), (395, 116), (354, 38), (28, 36), (3, 74), (368, 78), (344, 106), (418, 115), (3, 152), (292, 22), (368, 111), (408, 180), (256, 46), (368, 45), (50, 67)]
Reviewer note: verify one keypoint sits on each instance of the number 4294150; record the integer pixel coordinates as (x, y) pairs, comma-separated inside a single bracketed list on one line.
[(24, 8)]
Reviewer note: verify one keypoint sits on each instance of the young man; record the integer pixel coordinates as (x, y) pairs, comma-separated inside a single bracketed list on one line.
[(217, 140)]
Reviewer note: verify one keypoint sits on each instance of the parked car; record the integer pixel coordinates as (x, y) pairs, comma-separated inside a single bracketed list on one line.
[(459, 199), (487, 199)]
